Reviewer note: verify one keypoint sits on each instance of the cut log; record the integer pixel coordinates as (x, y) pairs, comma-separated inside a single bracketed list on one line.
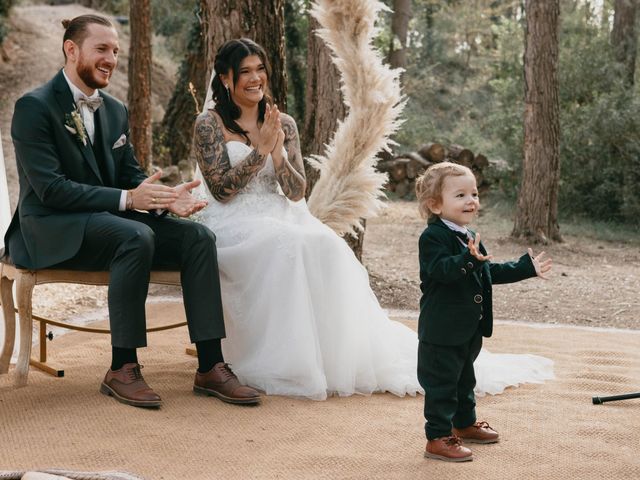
[(461, 155), (433, 152), (415, 165), (479, 177), (481, 161), (398, 170), (403, 187), (405, 168)]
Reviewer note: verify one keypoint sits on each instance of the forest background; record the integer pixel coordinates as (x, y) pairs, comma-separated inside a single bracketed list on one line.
[(464, 82)]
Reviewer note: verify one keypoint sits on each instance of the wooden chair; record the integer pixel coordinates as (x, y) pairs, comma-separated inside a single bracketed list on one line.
[(25, 281)]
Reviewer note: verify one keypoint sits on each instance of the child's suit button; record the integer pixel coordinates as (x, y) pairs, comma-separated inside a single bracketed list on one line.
[(463, 270), (477, 298), (470, 265)]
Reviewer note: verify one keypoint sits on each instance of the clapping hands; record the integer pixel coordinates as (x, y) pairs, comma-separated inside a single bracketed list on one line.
[(178, 200), (270, 131)]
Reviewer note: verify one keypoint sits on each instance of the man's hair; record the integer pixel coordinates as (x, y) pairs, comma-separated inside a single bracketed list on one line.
[(429, 184), (76, 29)]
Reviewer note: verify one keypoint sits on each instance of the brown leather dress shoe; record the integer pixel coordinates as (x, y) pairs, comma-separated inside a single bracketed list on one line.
[(449, 449), (221, 382), (479, 432), (127, 386)]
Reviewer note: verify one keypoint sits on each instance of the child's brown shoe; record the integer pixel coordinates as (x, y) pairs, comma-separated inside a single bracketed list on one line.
[(449, 449), (479, 432)]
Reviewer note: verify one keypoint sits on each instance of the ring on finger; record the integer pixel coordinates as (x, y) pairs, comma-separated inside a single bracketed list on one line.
[(153, 200)]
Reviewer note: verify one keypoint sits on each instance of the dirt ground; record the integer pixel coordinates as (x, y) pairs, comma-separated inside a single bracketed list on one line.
[(593, 282)]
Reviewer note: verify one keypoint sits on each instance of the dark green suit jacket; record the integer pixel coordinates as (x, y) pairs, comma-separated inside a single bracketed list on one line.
[(61, 184), (456, 287)]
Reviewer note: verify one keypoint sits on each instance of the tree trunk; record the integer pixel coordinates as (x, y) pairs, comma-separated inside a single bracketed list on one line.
[(259, 20), (324, 109), (537, 214), (623, 36), (296, 49), (184, 106), (399, 27), (323, 101), (139, 96)]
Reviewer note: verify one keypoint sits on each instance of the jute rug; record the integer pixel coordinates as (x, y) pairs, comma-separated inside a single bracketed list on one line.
[(549, 431)]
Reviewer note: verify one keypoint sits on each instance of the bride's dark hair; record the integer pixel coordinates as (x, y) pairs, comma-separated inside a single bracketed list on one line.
[(229, 58)]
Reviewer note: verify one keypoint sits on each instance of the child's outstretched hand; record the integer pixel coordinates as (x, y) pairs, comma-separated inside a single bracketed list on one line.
[(541, 264), (474, 249)]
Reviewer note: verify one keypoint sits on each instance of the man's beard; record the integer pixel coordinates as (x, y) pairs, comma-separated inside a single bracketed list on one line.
[(86, 73)]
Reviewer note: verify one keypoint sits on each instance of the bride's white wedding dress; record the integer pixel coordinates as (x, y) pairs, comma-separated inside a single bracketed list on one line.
[(300, 315)]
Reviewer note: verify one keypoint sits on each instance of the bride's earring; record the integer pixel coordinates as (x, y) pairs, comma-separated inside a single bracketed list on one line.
[(228, 94)]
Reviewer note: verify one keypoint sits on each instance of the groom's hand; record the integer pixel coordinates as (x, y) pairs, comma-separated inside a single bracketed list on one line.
[(152, 196), (186, 204)]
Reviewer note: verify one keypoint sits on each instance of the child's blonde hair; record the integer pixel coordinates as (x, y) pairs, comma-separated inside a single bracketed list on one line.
[(429, 184)]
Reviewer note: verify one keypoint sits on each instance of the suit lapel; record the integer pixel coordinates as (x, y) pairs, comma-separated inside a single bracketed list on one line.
[(68, 105), (100, 118), (476, 273)]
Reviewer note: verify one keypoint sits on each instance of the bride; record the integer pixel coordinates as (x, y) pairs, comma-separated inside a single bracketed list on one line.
[(300, 315)]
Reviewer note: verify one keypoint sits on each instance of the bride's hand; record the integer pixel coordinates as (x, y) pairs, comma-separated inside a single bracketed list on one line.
[(269, 130)]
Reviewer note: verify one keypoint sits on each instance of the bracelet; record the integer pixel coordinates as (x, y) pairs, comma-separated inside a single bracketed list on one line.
[(129, 203)]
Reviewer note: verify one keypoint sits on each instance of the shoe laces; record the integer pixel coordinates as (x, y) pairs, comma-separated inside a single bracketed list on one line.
[(453, 440), (482, 424), (135, 373), (226, 371)]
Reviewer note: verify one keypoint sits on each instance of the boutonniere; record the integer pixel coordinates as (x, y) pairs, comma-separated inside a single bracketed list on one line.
[(74, 124)]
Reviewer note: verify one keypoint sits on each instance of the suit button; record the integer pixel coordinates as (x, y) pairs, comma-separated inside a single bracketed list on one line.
[(477, 298), (480, 317), (470, 265), (464, 272)]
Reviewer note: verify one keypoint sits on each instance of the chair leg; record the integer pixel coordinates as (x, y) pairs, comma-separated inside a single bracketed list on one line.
[(9, 314), (25, 281)]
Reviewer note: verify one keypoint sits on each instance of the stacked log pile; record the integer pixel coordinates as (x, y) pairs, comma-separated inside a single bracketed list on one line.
[(406, 167)]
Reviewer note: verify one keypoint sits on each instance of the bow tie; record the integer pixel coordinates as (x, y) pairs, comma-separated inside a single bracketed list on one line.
[(465, 237), (92, 103)]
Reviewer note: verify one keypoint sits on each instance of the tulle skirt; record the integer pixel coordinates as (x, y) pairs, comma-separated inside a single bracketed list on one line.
[(302, 319)]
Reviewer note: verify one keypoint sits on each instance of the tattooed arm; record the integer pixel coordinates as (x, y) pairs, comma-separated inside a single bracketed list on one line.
[(290, 169), (223, 180)]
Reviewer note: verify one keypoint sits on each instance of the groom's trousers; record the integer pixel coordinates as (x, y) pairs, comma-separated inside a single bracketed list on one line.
[(130, 245)]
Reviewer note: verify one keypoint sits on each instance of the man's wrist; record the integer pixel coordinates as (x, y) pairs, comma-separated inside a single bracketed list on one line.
[(129, 204)]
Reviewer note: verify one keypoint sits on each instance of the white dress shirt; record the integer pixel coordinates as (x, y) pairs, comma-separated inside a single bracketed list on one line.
[(456, 228)]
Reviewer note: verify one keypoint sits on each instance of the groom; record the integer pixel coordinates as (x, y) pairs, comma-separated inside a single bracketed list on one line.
[(85, 204)]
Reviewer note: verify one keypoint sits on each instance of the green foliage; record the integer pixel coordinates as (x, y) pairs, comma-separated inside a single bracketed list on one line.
[(5, 6), (114, 7), (172, 19), (465, 85)]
